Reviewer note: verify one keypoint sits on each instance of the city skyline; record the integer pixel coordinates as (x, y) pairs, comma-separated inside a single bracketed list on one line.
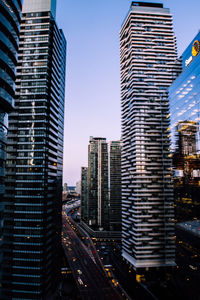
[(95, 50), (129, 93)]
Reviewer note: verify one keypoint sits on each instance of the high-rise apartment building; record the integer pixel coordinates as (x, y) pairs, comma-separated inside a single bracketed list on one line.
[(148, 53), (10, 14), (84, 194), (98, 183), (32, 235), (115, 210)]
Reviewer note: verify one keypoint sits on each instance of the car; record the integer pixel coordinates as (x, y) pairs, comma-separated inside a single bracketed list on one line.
[(80, 281)]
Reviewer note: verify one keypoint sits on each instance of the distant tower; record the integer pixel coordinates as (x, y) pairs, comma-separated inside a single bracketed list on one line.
[(78, 187), (98, 183), (148, 53), (84, 195), (115, 210), (186, 137), (32, 237), (65, 188)]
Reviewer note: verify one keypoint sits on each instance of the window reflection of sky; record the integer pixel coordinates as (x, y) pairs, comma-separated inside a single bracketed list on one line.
[(184, 133), (184, 99)]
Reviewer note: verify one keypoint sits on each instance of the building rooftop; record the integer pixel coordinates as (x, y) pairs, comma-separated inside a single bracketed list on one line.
[(192, 227), (146, 7), (97, 139), (147, 4), (31, 6)]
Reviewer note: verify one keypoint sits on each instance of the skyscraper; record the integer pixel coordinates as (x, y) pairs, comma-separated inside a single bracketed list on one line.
[(84, 194), (148, 52), (98, 183), (115, 186), (32, 235), (184, 99), (10, 14)]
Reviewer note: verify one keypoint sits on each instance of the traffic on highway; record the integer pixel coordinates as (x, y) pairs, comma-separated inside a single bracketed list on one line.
[(86, 266)]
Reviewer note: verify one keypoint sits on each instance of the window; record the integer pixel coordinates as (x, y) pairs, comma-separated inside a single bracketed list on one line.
[(161, 62)]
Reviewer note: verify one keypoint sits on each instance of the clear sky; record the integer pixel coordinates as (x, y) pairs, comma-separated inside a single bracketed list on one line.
[(92, 101)]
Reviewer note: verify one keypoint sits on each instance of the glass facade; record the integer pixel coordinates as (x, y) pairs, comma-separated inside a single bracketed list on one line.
[(84, 195), (98, 183), (10, 14), (115, 186), (32, 235), (184, 131)]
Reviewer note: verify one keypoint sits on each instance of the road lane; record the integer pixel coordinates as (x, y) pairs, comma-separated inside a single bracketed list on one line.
[(88, 273)]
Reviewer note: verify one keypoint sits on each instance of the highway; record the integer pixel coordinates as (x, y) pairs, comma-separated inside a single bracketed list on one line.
[(86, 267)]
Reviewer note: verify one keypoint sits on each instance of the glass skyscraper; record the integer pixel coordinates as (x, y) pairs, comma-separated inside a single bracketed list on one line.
[(10, 14), (184, 99), (97, 208), (115, 186), (84, 194), (32, 235), (148, 54)]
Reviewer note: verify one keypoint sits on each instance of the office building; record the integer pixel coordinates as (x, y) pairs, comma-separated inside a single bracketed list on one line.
[(98, 183), (84, 194), (10, 15), (115, 186), (148, 53), (184, 99), (32, 235)]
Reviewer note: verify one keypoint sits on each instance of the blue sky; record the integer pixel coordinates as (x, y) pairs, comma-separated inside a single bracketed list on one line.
[(92, 101)]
